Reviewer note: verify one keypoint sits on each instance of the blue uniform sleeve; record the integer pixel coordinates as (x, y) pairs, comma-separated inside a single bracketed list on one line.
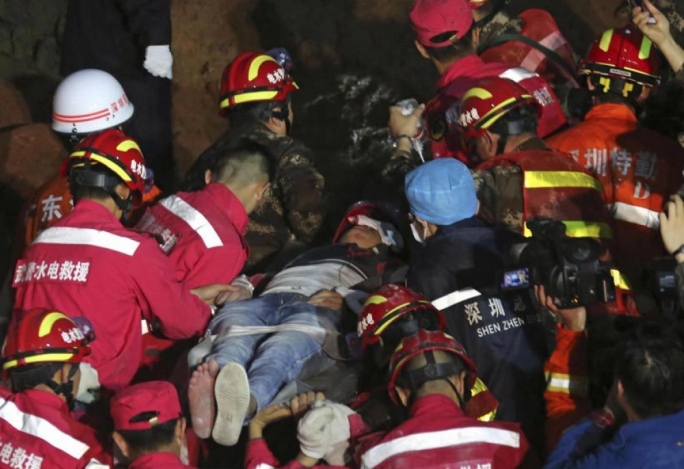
[(580, 448)]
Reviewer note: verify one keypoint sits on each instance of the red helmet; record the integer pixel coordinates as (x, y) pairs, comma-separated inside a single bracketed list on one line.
[(385, 306), (376, 210), (488, 101), (625, 54), (43, 336), (115, 150), (426, 341), (253, 77)]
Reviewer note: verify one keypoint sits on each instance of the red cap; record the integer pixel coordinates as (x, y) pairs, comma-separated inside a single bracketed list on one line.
[(157, 397), (431, 18)]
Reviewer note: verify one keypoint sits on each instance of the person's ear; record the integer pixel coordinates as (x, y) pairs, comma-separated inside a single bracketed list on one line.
[(180, 430), (477, 210), (261, 193), (122, 444), (207, 176), (590, 85), (645, 91), (64, 376), (403, 395), (122, 191), (421, 49)]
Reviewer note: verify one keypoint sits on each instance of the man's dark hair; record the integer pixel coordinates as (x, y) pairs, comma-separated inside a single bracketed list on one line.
[(216, 157), (246, 162), (651, 371), (149, 441), (614, 95), (30, 376), (450, 53), (517, 121), (79, 191), (260, 111)]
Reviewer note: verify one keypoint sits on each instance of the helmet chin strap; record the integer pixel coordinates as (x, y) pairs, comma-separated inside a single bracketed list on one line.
[(125, 205), (65, 389)]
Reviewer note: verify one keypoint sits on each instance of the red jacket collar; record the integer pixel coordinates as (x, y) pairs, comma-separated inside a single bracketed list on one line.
[(611, 111), (462, 67), (229, 204)]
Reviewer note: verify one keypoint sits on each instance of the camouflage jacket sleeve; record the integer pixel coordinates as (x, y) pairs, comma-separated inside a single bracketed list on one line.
[(499, 191), (301, 188)]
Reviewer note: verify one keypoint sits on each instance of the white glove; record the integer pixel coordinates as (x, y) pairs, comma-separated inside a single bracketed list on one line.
[(159, 61), (324, 427), (388, 233)]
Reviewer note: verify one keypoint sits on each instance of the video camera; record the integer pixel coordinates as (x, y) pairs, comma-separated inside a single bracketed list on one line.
[(568, 268)]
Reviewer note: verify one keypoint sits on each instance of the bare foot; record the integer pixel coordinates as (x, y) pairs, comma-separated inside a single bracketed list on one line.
[(201, 398)]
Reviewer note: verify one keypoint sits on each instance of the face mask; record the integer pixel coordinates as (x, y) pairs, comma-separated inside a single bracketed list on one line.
[(417, 236), (88, 386)]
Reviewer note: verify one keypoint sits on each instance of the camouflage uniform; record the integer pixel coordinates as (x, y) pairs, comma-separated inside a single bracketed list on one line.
[(294, 209), (501, 23)]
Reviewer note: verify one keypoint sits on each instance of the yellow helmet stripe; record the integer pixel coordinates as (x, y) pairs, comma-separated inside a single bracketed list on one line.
[(491, 117), (256, 65), (128, 145), (476, 93), (255, 96), (604, 43), (48, 321), (375, 300), (645, 48), (42, 358)]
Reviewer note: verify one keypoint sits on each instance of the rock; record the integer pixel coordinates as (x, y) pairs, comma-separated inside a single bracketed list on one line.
[(14, 110), (29, 156)]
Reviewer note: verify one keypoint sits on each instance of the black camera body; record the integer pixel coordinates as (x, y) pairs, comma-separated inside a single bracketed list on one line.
[(568, 268)]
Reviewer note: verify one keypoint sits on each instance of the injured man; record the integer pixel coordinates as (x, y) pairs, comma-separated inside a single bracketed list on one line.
[(252, 348)]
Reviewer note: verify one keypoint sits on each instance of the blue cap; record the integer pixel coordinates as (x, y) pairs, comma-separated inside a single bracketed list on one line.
[(441, 192)]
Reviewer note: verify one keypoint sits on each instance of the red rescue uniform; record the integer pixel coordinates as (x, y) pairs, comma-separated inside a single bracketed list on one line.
[(539, 26), (638, 168), (464, 74), (438, 434), (37, 431), (89, 265), (202, 233)]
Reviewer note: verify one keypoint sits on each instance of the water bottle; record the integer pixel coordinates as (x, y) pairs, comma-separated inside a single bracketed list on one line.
[(408, 107)]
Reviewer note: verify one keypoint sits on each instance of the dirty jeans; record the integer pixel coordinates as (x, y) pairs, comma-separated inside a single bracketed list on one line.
[(273, 360)]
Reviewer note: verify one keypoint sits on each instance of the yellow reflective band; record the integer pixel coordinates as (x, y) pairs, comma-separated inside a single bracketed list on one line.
[(48, 322), (620, 281), (255, 96), (46, 357), (477, 388), (604, 43), (560, 179), (256, 65), (581, 229), (567, 384), (128, 145), (645, 49), (477, 93)]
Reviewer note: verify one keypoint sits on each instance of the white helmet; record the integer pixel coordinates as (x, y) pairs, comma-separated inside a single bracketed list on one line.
[(89, 101)]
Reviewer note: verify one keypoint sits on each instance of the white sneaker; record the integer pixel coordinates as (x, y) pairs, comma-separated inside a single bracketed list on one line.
[(232, 401)]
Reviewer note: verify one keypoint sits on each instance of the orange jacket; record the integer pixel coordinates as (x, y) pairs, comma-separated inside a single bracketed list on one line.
[(638, 168), (567, 385)]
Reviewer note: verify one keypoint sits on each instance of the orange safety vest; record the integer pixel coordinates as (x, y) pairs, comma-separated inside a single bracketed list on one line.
[(639, 169), (556, 187)]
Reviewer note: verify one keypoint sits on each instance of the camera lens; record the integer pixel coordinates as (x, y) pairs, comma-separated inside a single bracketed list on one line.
[(581, 251)]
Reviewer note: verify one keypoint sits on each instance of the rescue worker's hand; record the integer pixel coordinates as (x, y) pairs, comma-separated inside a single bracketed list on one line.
[(658, 32), (327, 299), (210, 293), (232, 293), (297, 406), (404, 125), (574, 319), (672, 226)]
